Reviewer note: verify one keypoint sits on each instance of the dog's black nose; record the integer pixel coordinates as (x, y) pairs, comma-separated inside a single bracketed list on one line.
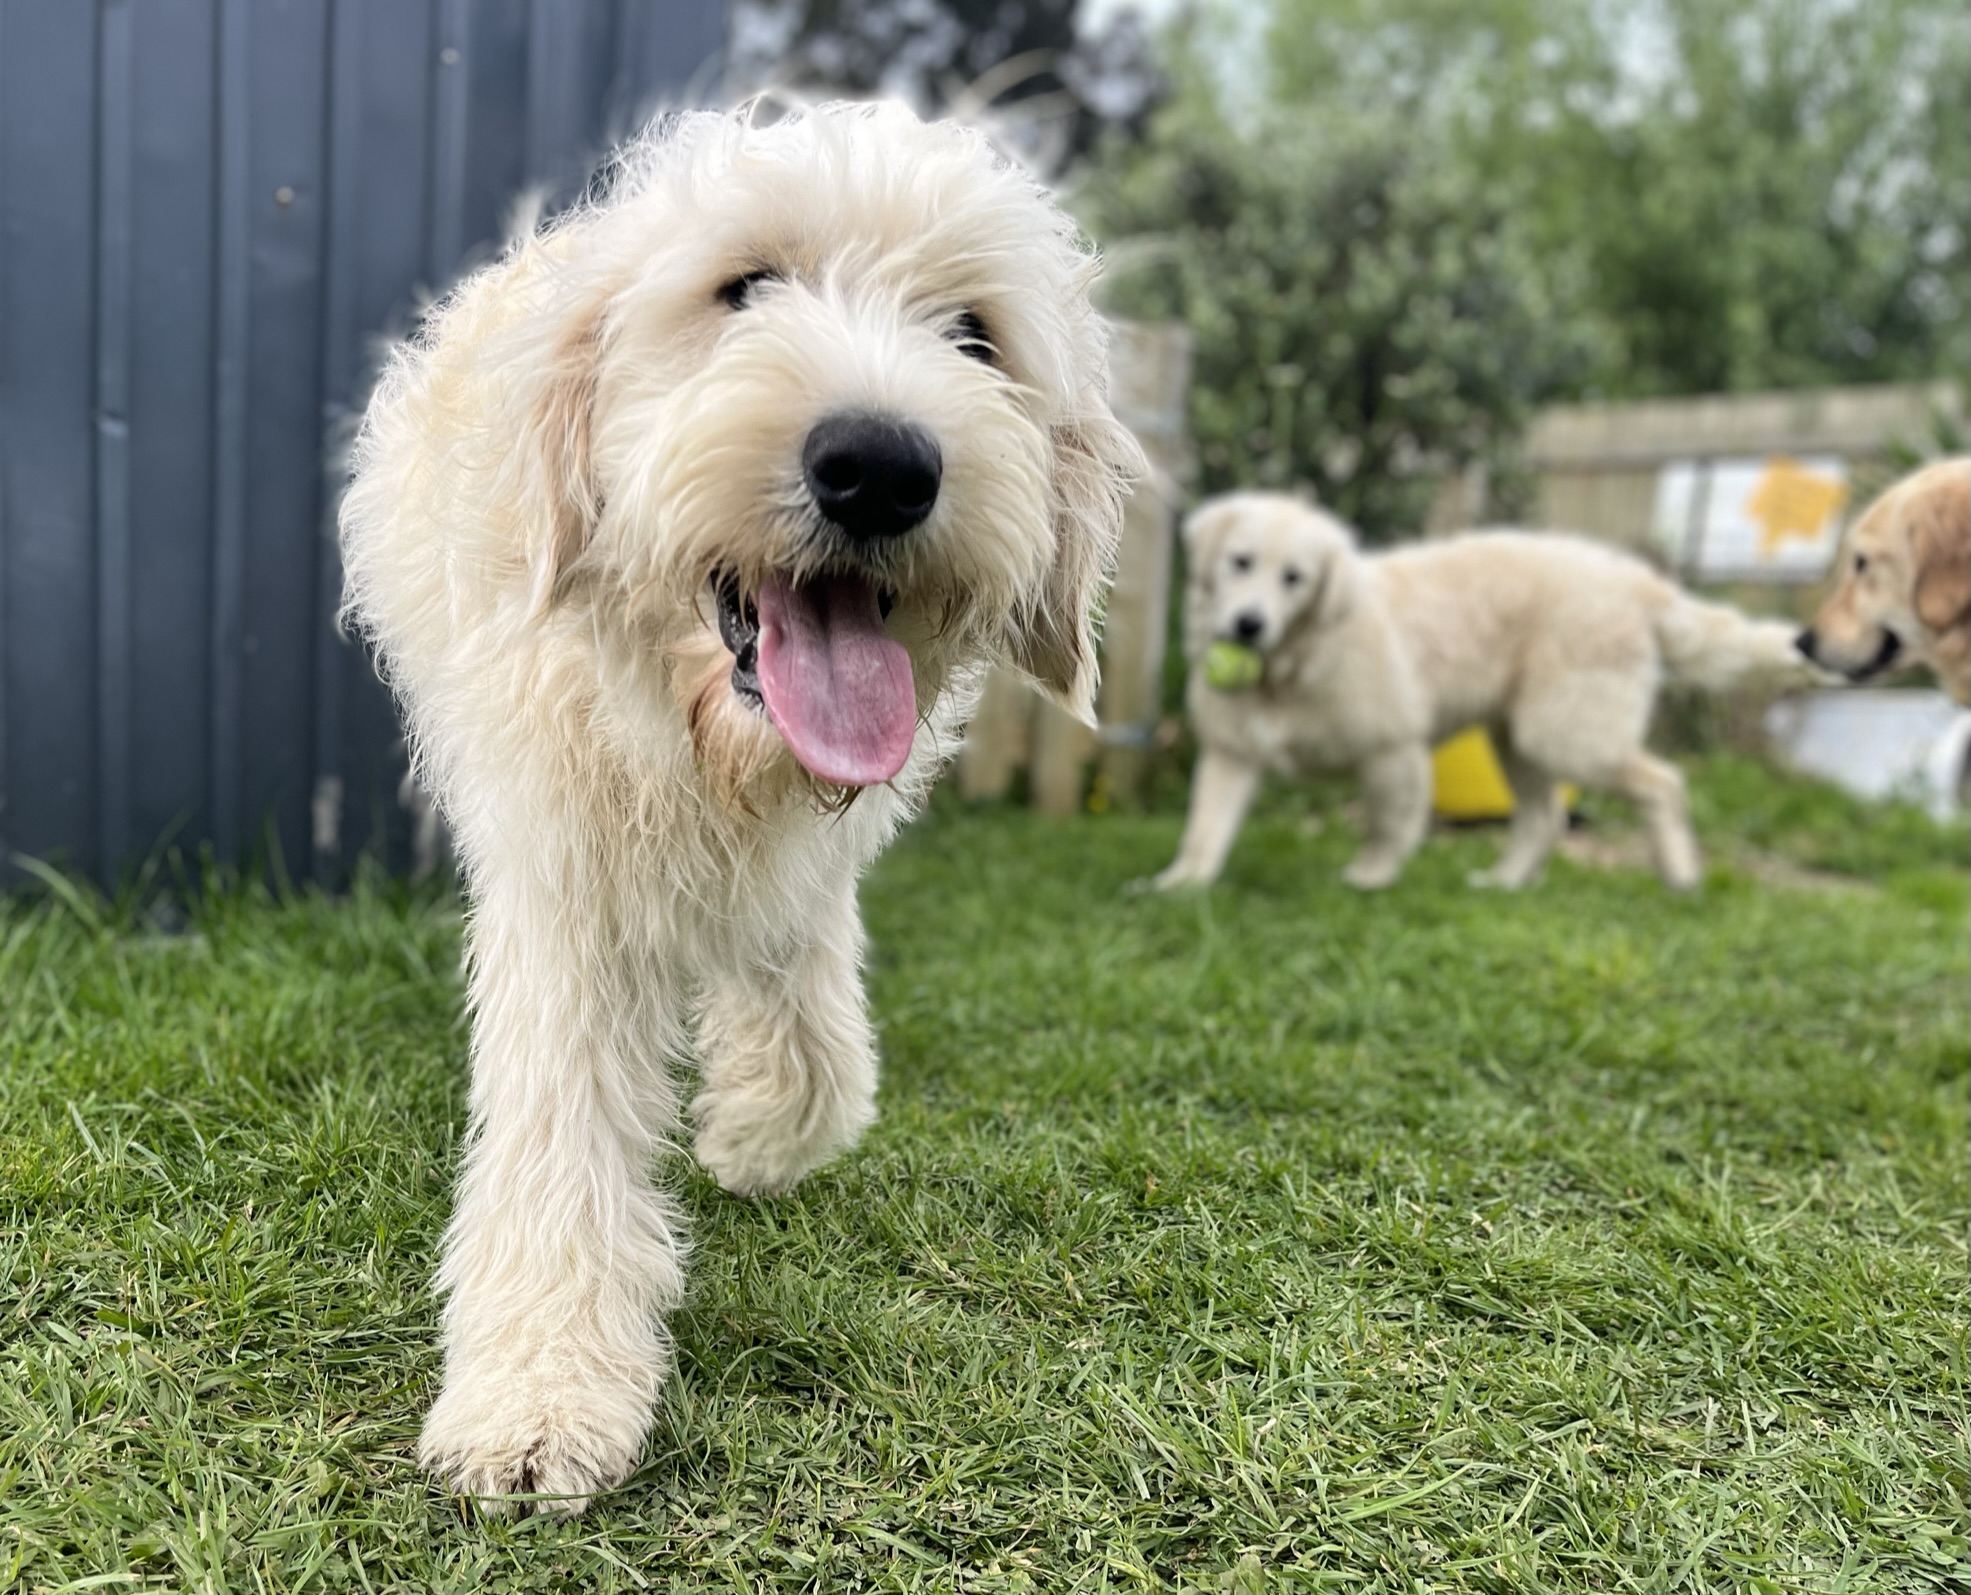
[(1805, 643), (1248, 626), (872, 475)]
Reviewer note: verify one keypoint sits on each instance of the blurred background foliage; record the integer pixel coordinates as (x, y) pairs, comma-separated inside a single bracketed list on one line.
[(1363, 320), (1767, 194), (1066, 79), (1442, 213), (1396, 227)]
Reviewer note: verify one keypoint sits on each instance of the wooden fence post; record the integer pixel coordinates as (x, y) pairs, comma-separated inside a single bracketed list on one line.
[(1151, 364), (997, 742)]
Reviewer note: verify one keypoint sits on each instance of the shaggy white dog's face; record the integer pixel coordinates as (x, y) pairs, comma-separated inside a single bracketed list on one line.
[(822, 408), (1262, 567)]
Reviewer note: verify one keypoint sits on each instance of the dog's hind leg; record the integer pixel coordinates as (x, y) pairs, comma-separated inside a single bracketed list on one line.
[(1657, 789), (562, 1257), (787, 1059), (1222, 790), (1536, 821), (1396, 793), (1591, 730)]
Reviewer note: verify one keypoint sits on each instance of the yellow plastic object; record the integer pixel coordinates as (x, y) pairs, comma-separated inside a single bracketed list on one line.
[(1469, 783)]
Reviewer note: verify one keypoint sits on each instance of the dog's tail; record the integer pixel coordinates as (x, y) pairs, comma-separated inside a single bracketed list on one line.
[(1714, 647)]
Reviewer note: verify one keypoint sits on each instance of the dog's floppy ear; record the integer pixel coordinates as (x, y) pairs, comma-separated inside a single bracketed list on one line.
[(1203, 531), (1338, 578), (1053, 635), (554, 400), (1341, 585), (1204, 528), (1940, 542)]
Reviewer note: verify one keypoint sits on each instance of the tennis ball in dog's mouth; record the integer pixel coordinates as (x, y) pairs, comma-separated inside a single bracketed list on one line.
[(1233, 667)]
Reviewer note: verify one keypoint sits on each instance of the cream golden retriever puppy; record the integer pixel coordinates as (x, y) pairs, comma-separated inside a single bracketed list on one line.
[(1904, 594), (1555, 643), (683, 532)]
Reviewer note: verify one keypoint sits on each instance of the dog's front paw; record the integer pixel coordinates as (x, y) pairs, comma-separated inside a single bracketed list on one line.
[(1497, 879), (763, 1148), (525, 1443), (1176, 878), (1372, 874)]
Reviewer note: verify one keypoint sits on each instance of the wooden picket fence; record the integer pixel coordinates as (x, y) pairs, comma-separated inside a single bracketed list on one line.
[(1597, 465), (1015, 728)]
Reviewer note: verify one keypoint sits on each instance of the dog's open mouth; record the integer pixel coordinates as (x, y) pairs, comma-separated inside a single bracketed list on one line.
[(1885, 656), (739, 630), (814, 656)]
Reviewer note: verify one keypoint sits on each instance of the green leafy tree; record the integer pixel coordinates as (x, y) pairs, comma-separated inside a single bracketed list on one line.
[(1364, 322), (1395, 226), (1774, 193)]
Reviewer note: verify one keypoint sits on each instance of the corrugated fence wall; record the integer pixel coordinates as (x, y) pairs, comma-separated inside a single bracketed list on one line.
[(209, 209)]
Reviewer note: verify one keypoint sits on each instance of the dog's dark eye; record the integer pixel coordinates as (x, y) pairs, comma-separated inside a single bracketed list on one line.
[(1861, 563), (970, 334), (1241, 563), (1289, 577), (738, 293)]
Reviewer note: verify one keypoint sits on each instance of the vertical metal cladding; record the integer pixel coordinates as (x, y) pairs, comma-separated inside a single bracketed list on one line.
[(49, 157), (210, 211)]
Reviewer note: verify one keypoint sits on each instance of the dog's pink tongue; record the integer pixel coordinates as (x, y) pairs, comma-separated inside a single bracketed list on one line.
[(836, 685)]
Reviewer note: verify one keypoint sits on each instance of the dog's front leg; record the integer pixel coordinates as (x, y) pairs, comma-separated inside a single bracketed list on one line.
[(561, 1258), (1396, 788), (1222, 790), (787, 1059)]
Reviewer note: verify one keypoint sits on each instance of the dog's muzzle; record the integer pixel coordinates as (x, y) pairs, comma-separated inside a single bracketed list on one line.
[(1884, 656)]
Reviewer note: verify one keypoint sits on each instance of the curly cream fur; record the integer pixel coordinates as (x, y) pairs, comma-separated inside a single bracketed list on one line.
[(547, 478)]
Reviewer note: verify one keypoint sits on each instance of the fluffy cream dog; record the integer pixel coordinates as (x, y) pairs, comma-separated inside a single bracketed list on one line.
[(1904, 597), (683, 532), (1556, 643)]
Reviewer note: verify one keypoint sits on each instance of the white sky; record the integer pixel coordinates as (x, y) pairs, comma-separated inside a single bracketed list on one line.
[(1095, 14)]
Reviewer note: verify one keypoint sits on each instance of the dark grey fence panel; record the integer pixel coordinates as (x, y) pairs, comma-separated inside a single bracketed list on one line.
[(286, 103), (382, 237), (210, 213), (167, 618), (115, 268), (48, 102), (495, 87)]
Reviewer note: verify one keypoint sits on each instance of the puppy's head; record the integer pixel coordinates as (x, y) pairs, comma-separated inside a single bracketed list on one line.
[(1905, 576), (1265, 568), (818, 410)]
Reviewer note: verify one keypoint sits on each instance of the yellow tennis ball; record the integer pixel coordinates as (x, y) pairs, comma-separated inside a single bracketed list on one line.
[(1233, 667)]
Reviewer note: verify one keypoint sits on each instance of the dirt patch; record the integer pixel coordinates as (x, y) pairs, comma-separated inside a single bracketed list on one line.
[(1629, 850)]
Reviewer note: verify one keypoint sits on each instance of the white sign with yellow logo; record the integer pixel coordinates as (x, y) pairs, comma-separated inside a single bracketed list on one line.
[(1774, 519)]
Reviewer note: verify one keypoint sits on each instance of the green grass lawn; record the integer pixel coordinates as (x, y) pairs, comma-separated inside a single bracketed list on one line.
[(1271, 1237)]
